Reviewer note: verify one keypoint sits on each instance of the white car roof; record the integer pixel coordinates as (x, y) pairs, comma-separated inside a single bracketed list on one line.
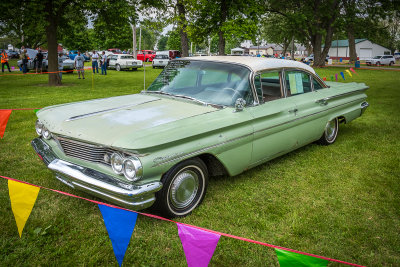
[(256, 63)]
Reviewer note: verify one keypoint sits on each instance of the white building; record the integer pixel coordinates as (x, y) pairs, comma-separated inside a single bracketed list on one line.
[(364, 48)]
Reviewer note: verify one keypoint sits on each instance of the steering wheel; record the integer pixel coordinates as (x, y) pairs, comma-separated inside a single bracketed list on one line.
[(235, 92)]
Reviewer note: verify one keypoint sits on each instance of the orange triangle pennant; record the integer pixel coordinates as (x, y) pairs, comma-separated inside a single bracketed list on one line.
[(22, 197), (4, 115)]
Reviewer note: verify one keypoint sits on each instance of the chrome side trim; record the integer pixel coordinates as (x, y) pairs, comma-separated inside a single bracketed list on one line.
[(324, 100), (168, 159), (106, 110)]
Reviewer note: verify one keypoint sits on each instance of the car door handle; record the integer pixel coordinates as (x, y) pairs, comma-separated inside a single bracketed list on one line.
[(293, 110)]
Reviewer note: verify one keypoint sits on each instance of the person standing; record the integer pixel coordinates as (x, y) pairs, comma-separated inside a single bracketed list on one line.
[(79, 64), (24, 59), (104, 64), (95, 64), (39, 61), (4, 61), (60, 65)]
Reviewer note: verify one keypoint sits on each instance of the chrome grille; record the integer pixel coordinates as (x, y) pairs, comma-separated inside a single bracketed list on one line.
[(84, 151)]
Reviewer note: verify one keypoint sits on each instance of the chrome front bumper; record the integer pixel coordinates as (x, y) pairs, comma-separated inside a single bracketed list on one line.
[(97, 183)]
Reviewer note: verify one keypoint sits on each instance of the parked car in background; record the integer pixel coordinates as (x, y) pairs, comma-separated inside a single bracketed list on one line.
[(160, 61), (124, 61), (31, 53), (310, 58), (68, 64), (74, 53), (397, 55), (12, 54), (172, 54), (201, 117), (146, 55), (381, 60), (115, 50)]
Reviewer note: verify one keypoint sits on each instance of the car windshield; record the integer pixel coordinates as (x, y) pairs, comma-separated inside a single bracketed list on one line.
[(377, 57), (127, 57), (205, 82), (162, 57)]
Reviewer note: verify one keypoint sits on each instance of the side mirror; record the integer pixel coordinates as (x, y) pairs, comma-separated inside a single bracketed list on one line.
[(240, 104)]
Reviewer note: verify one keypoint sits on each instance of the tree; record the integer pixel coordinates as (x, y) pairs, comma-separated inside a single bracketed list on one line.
[(162, 43), (174, 40), (226, 18), (314, 22)]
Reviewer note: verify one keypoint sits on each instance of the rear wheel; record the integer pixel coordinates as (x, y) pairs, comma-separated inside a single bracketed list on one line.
[(330, 132), (378, 63), (184, 188), (391, 63)]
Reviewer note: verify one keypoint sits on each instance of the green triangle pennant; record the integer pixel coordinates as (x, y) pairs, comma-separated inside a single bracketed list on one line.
[(291, 259)]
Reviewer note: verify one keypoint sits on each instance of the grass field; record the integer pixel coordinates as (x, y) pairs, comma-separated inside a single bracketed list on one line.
[(340, 201)]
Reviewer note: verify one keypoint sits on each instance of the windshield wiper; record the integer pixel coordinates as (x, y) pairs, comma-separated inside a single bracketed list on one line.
[(185, 97)]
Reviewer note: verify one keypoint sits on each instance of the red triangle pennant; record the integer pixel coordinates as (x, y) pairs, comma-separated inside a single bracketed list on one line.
[(4, 115)]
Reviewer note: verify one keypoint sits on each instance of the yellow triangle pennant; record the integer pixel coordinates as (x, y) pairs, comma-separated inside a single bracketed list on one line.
[(349, 73), (22, 197)]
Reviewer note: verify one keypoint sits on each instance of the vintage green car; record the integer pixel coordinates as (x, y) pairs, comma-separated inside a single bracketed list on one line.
[(201, 117)]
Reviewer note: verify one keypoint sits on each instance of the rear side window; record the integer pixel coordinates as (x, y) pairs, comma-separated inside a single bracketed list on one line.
[(297, 82)]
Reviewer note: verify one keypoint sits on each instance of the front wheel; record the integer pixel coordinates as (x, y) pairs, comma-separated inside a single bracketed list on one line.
[(184, 187), (330, 132), (378, 63), (117, 67)]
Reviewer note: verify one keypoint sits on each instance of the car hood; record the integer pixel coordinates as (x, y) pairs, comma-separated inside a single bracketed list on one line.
[(128, 122)]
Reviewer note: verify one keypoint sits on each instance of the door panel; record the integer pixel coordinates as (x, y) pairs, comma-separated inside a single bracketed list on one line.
[(274, 134)]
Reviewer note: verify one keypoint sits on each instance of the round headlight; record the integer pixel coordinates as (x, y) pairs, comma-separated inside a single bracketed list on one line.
[(117, 163), (39, 127), (46, 133), (133, 169)]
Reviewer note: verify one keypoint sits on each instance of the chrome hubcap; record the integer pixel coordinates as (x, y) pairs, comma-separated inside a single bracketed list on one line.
[(331, 130), (184, 189)]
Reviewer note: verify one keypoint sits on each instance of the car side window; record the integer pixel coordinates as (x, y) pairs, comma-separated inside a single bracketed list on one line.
[(317, 85), (297, 82), (268, 86)]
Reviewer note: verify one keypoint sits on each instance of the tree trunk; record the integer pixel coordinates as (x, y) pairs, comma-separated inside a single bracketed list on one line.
[(352, 43), (316, 41), (221, 43), (52, 44), (182, 24), (223, 17)]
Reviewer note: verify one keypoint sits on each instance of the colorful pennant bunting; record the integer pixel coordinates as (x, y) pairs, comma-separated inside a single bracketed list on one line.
[(120, 225), (324, 78), (349, 73), (342, 74), (23, 198), (353, 71), (336, 76), (4, 115), (198, 245), (332, 78), (36, 110), (291, 259)]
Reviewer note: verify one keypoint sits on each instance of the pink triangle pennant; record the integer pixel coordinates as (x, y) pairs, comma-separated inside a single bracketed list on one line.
[(353, 71), (198, 245), (4, 115)]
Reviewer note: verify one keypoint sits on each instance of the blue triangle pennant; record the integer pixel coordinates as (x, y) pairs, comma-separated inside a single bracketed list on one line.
[(120, 225)]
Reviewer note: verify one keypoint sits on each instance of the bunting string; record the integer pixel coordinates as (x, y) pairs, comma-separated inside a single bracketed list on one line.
[(188, 225)]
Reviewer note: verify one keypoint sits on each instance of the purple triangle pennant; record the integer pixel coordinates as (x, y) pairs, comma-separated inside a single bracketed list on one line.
[(120, 225), (198, 245)]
